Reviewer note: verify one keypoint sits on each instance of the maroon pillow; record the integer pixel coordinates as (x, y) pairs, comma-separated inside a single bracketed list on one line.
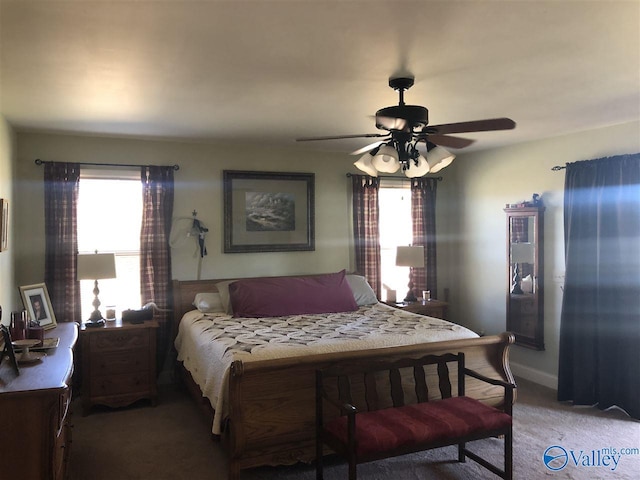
[(280, 296)]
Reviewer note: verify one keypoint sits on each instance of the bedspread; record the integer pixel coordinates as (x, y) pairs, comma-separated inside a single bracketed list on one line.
[(207, 344)]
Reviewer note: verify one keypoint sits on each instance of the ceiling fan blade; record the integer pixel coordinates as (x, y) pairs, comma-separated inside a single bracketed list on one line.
[(368, 148), (447, 140), (473, 126), (338, 137)]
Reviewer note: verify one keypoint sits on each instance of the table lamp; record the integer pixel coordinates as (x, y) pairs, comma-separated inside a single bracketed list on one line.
[(96, 266), (412, 257)]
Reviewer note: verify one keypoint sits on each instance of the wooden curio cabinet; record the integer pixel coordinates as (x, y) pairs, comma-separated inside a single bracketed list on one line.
[(525, 294)]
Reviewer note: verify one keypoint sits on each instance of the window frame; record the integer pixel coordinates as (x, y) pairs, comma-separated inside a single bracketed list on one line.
[(108, 286)]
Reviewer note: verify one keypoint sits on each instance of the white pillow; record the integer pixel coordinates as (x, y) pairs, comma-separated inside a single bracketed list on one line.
[(208, 302), (362, 291), (223, 290)]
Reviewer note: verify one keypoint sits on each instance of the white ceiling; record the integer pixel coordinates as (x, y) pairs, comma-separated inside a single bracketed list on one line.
[(271, 71)]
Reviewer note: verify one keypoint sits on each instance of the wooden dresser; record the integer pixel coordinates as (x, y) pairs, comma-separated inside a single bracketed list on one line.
[(118, 364), (35, 439)]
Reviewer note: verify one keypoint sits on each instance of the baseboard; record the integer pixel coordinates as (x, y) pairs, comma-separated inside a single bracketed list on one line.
[(533, 375)]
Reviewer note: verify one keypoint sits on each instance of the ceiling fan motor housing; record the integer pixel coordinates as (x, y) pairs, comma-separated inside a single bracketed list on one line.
[(410, 116)]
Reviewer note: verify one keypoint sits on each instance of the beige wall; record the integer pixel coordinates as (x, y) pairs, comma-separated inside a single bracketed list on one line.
[(473, 254), (8, 290), (470, 217), (198, 186)]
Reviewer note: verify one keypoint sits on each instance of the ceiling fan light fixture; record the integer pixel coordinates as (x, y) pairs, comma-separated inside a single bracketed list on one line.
[(386, 160), (439, 158), (364, 164), (419, 170)]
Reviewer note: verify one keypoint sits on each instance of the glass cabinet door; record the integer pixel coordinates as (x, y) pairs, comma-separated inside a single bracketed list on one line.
[(525, 312)]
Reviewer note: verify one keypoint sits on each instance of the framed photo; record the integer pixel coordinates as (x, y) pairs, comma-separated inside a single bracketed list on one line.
[(4, 225), (268, 211), (7, 347), (35, 299)]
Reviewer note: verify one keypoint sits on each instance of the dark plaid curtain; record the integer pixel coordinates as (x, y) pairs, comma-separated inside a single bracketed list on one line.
[(366, 229), (600, 320), (423, 214), (155, 254), (61, 181)]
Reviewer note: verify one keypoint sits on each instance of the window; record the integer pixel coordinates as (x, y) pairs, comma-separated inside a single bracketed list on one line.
[(395, 229), (109, 220)]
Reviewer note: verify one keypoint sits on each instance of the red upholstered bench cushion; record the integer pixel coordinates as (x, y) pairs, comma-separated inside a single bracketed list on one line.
[(391, 428)]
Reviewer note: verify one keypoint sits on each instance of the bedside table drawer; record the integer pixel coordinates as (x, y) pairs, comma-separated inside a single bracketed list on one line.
[(120, 340), (119, 384), (108, 363), (118, 364)]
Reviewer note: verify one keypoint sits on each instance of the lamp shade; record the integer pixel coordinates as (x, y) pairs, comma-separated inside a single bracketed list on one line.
[(364, 164), (418, 170), (386, 160), (439, 158), (410, 256), (94, 266)]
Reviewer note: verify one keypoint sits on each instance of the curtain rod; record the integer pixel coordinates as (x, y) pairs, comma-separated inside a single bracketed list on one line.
[(40, 162), (558, 167), (393, 177)]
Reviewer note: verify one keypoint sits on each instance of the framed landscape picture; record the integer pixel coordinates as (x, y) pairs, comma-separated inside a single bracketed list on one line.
[(35, 299), (268, 211)]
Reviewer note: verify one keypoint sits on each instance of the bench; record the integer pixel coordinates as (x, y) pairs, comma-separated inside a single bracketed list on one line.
[(362, 415)]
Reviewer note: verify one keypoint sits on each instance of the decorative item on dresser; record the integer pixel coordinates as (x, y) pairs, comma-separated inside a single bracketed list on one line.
[(34, 435), (37, 303), (430, 308), (118, 364)]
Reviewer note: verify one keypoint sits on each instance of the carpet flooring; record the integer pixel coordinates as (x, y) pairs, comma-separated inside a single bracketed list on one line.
[(171, 441)]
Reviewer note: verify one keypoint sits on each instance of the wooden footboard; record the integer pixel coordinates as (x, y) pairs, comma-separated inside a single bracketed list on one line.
[(271, 403)]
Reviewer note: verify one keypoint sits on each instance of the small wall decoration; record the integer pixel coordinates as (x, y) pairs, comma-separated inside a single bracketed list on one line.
[(35, 299), (4, 225), (268, 211)]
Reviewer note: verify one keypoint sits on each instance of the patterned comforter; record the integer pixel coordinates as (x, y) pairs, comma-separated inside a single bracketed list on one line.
[(207, 344)]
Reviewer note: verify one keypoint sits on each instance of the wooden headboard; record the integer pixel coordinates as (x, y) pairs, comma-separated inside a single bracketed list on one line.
[(184, 292)]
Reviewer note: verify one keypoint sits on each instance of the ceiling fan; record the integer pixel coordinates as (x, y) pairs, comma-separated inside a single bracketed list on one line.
[(405, 127)]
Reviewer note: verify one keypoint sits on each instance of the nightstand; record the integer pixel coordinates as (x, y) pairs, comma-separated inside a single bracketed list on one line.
[(430, 308), (118, 364)]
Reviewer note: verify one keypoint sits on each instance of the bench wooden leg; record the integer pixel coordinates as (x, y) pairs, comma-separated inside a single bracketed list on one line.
[(352, 470), (461, 456), (508, 455), (234, 470), (319, 466)]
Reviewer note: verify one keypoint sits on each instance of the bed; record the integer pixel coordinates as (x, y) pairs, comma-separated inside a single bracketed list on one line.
[(249, 355)]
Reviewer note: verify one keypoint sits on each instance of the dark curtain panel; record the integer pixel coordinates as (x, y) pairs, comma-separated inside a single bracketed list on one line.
[(155, 254), (366, 229), (423, 214), (61, 181), (600, 321)]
